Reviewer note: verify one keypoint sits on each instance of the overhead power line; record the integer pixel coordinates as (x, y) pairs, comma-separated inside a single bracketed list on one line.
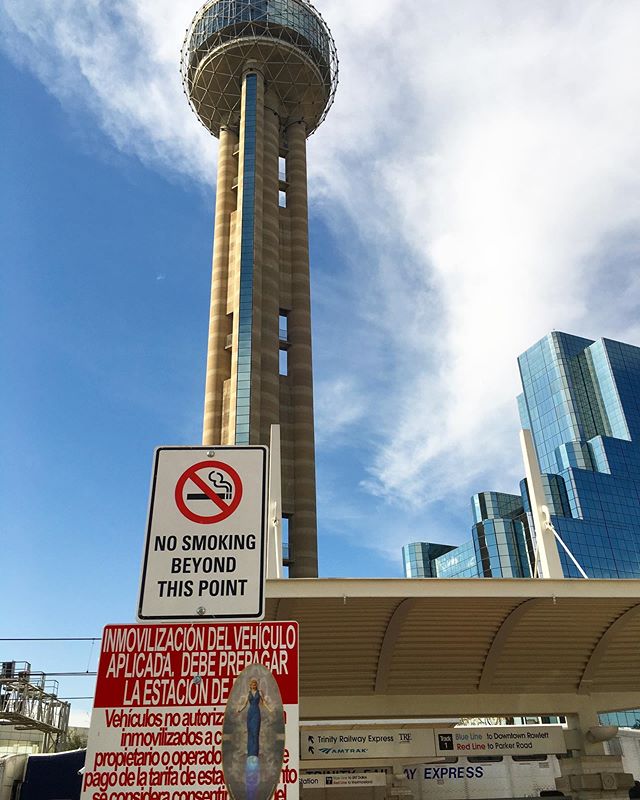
[(85, 674), (70, 674), (86, 697), (54, 639)]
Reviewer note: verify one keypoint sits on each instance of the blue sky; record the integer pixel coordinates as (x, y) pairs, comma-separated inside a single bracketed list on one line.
[(474, 186)]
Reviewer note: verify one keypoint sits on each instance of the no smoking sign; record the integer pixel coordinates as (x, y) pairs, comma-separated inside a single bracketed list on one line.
[(218, 483), (205, 545)]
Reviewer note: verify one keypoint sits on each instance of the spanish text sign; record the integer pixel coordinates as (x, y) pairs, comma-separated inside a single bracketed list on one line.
[(182, 712), (204, 551)]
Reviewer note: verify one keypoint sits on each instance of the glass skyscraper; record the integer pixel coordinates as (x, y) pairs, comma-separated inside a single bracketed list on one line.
[(581, 402), (500, 546)]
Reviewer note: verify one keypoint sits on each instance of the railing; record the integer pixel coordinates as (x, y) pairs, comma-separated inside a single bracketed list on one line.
[(29, 700)]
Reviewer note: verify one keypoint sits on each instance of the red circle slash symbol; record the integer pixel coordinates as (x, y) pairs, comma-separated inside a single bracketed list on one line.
[(221, 486)]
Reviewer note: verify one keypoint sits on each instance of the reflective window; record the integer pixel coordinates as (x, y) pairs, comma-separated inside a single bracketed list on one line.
[(283, 362), (245, 314), (302, 25), (283, 326)]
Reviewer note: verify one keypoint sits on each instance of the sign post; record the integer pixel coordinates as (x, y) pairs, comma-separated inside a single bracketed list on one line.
[(204, 555), (199, 710)]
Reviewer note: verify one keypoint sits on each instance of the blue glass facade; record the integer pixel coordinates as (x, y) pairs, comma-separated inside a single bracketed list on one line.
[(225, 16), (430, 560), (500, 536), (419, 558), (245, 321), (500, 545), (458, 563), (581, 403)]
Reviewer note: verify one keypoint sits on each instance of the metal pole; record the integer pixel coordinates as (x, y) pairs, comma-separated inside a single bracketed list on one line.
[(274, 507), (547, 556)]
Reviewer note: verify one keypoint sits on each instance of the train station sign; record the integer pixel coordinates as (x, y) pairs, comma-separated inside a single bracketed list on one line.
[(195, 711), (424, 742), (342, 780), (500, 740), (357, 743), (204, 552)]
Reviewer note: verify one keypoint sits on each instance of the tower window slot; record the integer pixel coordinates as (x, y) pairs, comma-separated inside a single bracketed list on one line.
[(282, 199), (283, 327), (283, 362), (287, 554), (282, 168)]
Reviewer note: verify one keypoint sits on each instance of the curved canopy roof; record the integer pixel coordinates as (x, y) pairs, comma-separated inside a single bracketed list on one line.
[(429, 647)]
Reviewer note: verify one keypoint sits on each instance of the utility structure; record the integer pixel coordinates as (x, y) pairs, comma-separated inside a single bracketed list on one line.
[(261, 76), (29, 701)]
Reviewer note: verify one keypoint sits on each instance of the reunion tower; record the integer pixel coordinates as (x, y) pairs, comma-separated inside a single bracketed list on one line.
[(261, 76)]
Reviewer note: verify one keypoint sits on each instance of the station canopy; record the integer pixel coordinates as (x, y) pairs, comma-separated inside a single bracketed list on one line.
[(405, 648)]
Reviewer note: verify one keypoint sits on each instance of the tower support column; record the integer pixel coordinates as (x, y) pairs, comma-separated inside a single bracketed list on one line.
[(218, 358), (305, 558), (270, 380)]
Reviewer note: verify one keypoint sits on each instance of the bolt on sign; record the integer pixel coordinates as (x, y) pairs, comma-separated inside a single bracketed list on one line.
[(195, 711), (205, 545)]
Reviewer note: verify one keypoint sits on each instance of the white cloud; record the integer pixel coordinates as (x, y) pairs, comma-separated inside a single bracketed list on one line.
[(338, 406), (79, 718), (489, 192), (487, 153), (121, 60)]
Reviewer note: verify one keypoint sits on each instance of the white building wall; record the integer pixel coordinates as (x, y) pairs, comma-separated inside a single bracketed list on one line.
[(11, 769), (627, 744), (14, 741)]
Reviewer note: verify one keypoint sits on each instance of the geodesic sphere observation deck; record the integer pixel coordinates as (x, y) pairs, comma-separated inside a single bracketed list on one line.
[(287, 40)]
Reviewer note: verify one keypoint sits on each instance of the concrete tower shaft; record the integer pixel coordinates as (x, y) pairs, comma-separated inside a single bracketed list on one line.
[(261, 75)]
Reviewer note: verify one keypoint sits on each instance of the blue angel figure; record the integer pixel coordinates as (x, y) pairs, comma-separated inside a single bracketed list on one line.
[(254, 700)]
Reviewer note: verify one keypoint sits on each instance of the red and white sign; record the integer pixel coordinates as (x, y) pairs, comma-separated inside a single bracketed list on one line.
[(205, 547), (218, 483), (162, 690)]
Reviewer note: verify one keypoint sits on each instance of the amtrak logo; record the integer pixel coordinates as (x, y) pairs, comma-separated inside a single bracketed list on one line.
[(329, 750)]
